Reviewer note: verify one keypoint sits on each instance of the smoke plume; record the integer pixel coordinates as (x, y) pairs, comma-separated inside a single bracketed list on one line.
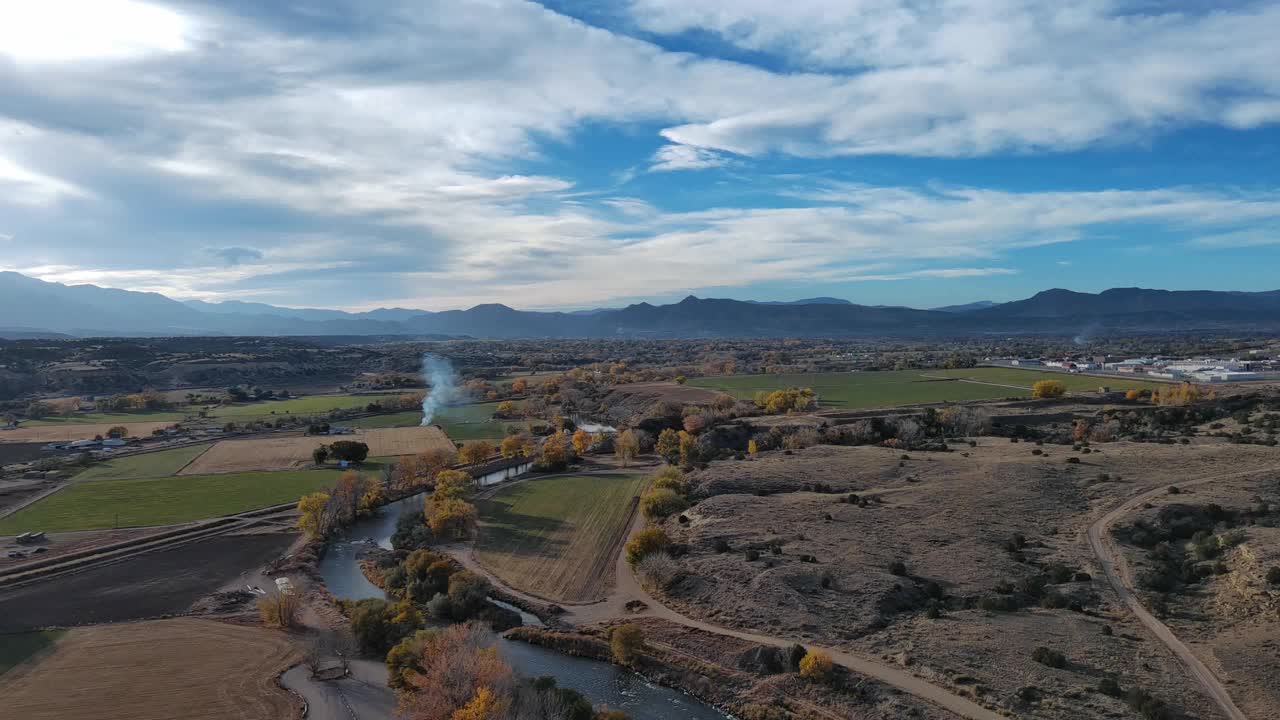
[(439, 374)]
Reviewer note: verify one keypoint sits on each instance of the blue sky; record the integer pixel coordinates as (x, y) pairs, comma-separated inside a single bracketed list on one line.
[(572, 154)]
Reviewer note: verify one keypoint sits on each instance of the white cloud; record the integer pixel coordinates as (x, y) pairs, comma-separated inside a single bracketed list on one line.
[(1252, 237), (685, 157), (67, 30), (968, 77)]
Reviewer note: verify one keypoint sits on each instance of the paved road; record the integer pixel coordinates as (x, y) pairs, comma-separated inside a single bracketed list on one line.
[(1113, 566)]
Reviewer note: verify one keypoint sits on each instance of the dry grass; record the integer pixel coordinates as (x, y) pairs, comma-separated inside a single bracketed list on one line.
[(283, 453), (67, 433), (558, 537), (187, 668), (947, 517)]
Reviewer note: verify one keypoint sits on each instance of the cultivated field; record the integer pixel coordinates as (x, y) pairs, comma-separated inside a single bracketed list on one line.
[(19, 647), (859, 390), (558, 538), (476, 422), (162, 501), (148, 585), (309, 405), (283, 453), (147, 465), (95, 418), (408, 418), (145, 671), (64, 432)]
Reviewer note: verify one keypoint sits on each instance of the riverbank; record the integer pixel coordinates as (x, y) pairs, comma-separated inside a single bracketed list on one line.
[(738, 677)]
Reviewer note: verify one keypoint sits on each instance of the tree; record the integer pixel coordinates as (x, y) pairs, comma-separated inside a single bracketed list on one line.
[(457, 664), (752, 447), (626, 641), (626, 446), (553, 450), (475, 452), (1048, 389), (581, 441), (452, 483), (669, 446), (468, 593), (669, 478), (279, 609), (688, 445), (645, 542), (37, 410), (451, 517), (349, 450), (315, 516), (519, 385), (118, 431), (320, 454), (816, 666), (374, 495), (510, 446)]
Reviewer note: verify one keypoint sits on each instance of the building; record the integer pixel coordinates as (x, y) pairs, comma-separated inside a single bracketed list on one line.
[(1027, 362)]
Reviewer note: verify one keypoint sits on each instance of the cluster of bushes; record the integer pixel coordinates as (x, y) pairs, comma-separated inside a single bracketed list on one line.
[(1185, 542), (666, 494), (1033, 589)]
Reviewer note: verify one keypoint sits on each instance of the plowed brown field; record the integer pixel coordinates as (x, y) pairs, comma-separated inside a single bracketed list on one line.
[(290, 452), (67, 433), (159, 670)]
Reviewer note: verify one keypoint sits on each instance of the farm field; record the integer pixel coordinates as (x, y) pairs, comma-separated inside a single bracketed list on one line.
[(82, 678), (862, 390), (76, 431), (475, 421), (309, 405), (1074, 383), (18, 647), (284, 453), (147, 465), (558, 537), (162, 501), (408, 418), (94, 418)]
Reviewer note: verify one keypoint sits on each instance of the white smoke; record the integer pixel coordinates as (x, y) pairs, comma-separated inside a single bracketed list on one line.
[(439, 374)]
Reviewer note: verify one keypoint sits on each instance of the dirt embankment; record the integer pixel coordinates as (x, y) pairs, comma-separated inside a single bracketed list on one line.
[(748, 680)]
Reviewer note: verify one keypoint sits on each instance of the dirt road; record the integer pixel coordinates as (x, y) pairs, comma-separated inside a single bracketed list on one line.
[(1114, 567)]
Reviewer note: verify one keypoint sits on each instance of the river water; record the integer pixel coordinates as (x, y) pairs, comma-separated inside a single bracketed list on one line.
[(602, 683)]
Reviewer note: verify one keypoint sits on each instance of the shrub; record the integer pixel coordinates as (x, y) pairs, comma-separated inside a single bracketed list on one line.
[(897, 567), (669, 478), (1048, 389), (1109, 686), (626, 641), (467, 593), (1037, 451), (658, 570), (658, 503), (721, 545), (816, 666), (1073, 461), (279, 609), (1147, 705), (753, 555), (1273, 576), (645, 542), (1051, 658)]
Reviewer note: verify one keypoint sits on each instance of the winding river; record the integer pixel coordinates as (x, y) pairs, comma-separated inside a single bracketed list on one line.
[(602, 683)]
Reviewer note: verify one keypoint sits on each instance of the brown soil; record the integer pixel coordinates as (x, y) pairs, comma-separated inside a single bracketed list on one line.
[(281, 453), (157, 670), (947, 517), (61, 433), (153, 584)]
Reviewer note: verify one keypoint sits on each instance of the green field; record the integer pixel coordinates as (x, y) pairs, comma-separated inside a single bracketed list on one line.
[(557, 537), (1026, 378), (475, 422), (95, 418), (310, 405), (862, 390), (162, 501), (16, 648), (147, 465), (408, 418)]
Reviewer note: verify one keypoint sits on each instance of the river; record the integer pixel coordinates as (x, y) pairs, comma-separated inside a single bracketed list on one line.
[(602, 683)]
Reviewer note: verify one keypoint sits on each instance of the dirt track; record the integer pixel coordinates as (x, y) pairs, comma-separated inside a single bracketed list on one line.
[(149, 671), (1113, 566)]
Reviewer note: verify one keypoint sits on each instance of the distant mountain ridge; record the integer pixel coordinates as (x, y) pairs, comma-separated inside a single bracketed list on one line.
[(35, 308)]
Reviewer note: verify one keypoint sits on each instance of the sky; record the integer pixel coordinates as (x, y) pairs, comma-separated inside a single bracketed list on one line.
[(574, 154)]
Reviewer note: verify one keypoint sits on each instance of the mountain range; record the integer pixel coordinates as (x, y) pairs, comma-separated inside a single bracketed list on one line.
[(34, 308)]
